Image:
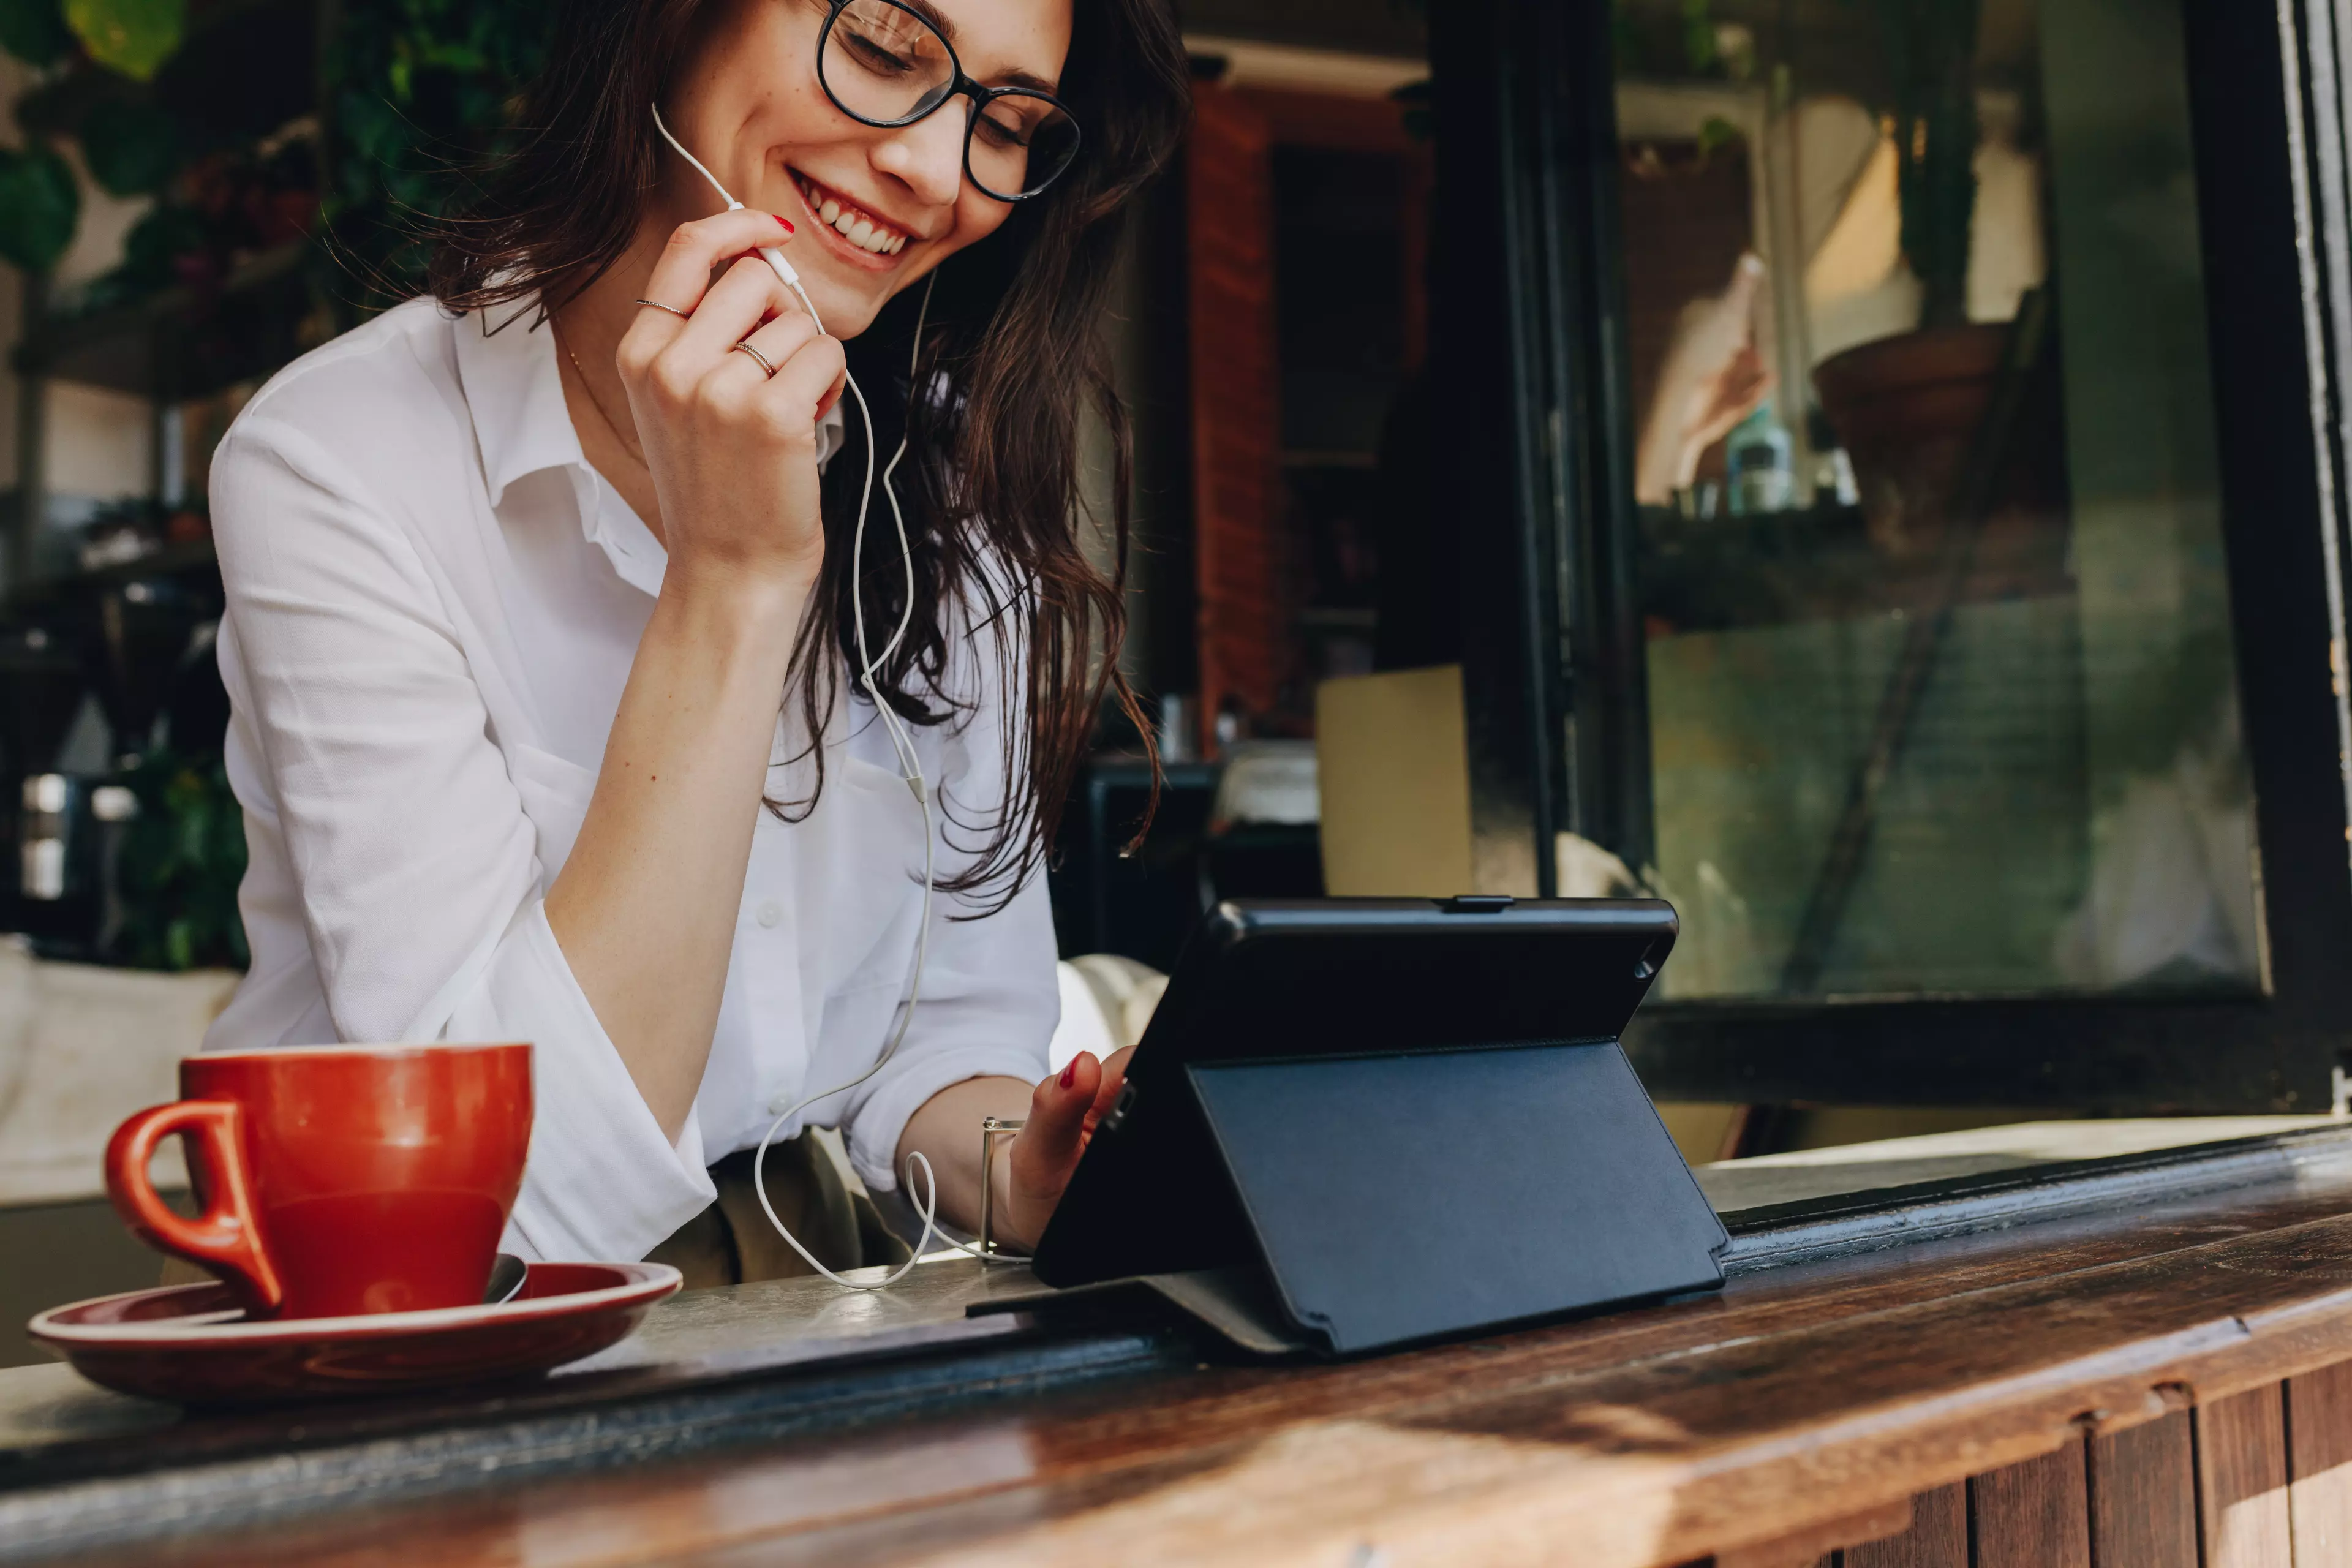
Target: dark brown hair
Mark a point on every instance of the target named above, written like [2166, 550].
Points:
[1012, 345]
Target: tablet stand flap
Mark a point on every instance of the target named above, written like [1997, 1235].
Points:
[1404, 1196]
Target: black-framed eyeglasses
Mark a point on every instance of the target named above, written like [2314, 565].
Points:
[885, 65]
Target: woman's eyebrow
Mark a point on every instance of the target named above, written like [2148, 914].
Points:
[947, 30]
[934, 15]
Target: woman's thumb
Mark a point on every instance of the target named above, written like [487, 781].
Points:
[1056, 1133]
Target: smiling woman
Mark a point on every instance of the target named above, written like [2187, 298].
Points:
[783, 100]
[518, 575]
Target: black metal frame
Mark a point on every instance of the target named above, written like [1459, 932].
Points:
[1528, 335]
[1529, 347]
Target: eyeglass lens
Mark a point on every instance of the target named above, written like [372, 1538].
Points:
[886, 66]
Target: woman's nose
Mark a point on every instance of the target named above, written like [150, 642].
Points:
[928, 155]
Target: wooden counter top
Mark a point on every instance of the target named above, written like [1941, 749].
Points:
[1803, 1409]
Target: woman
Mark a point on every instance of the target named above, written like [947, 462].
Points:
[541, 633]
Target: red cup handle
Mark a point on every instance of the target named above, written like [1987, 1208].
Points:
[223, 1238]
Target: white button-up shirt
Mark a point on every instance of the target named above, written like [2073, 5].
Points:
[434, 602]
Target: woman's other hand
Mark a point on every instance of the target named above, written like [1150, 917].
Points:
[1063, 1111]
[731, 449]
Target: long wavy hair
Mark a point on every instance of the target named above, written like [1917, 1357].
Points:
[1013, 343]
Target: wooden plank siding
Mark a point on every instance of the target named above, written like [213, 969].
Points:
[2144, 1495]
[2261, 1478]
[1938, 1538]
[2319, 1454]
[2241, 1481]
[2033, 1515]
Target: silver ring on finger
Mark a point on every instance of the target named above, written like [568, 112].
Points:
[765, 363]
[656, 304]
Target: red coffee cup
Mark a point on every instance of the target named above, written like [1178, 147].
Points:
[338, 1180]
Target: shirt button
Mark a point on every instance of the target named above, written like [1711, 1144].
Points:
[770, 913]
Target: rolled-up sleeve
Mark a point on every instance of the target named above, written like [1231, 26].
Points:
[603, 1182]
[360, 741]
[990, 1002]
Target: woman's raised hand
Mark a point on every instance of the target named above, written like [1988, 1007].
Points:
[731, 449]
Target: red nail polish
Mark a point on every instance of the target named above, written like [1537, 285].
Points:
[779, 217]
[1070, 1075]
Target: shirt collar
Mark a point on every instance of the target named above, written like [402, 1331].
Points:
[506, 364]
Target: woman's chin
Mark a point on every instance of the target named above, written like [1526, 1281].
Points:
[845, 312]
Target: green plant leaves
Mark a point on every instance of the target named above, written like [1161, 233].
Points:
[133, 36]
[182, 858]
[422, 93]
[34, 31]
[131, 146]
[1698, 36]
[40, 205]
[1716, 133]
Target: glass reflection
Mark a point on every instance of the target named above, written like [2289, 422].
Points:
[1940, 671]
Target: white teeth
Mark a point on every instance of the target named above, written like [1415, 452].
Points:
[859, 229]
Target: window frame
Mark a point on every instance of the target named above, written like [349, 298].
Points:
[1527, 333]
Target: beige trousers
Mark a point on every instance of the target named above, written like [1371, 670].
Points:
[731, 1242]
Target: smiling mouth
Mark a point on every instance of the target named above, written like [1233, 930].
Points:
[852, 223]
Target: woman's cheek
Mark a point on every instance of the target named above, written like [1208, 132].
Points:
[978, 217]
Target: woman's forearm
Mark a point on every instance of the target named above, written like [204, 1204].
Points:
[946, 1131]
[645, 907]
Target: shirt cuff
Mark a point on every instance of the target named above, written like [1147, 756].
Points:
[603, 1184]
[871, 1133]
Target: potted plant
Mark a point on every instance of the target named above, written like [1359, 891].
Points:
[1907, 407]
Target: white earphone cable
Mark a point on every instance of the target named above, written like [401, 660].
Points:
[901, 743]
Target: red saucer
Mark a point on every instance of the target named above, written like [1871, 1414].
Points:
[191, 1345]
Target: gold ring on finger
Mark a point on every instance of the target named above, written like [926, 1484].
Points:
[765, 363]
[656, 304]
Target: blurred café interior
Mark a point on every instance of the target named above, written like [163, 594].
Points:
[1798, 459]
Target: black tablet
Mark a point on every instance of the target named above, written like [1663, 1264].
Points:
[1413, 1111]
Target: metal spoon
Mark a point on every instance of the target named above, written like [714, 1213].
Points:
[506, 1278]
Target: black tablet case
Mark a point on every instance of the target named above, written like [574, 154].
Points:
[1492, 1157]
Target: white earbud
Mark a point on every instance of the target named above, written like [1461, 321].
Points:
[901, 742]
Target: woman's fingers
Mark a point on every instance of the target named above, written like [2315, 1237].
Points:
[746, 295]
[1114, 1076]
[805, 382]
[696, 249]
[779, 340]
[682, 280]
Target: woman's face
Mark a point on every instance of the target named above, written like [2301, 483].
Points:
[748, 104]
